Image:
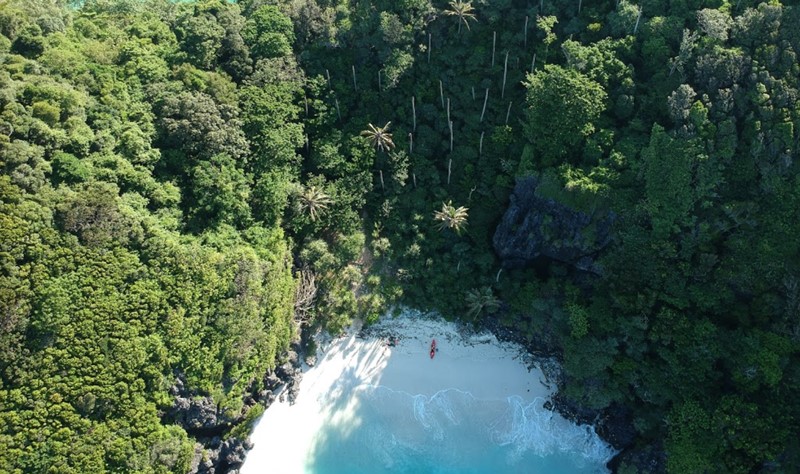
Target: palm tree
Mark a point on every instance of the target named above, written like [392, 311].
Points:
[462, 10]
[451, 217]
[379, 137]
[481, 300]
[314, 201]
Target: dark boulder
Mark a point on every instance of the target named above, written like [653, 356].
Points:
[205, 460]
[615, 426]
[573, 411]
[645, 459]
[535, 226]
[232, 454]
[198, 415]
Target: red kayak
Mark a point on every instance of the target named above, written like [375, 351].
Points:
[433, 348]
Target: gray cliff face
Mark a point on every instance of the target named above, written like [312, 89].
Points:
[534, 226]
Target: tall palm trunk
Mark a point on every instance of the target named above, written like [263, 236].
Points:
[485, 101]
[525, 41]
[414, 113]
[450, 124]
[429, 48]
[505, 72]
[449, 166]
[494, 44]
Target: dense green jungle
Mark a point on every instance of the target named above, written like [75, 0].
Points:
[186, 184]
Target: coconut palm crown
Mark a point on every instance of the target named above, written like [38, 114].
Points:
[481, 300]
[451, 217]
[379, 137]
[463, 11]
[314, 201]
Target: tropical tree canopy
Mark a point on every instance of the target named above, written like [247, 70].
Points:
[480, 300]
[313, 201]
[451, 217]
[379, 137]
[463, 11]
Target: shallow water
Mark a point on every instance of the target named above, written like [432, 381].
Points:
[452, 432]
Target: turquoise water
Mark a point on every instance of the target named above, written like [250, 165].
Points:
[452, 432]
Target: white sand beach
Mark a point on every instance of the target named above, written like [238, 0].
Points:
[478, 364]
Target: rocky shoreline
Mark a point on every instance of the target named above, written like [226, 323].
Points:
[613, 424]
[216, 451]
[535, 227]
[217, 454]
[519, 239]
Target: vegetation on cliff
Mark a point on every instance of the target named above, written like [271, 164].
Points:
[183, 183]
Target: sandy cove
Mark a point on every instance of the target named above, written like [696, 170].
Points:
[474, 363]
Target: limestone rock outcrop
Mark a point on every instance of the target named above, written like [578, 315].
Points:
[535, 226]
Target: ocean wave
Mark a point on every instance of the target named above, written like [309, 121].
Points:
[452, 425]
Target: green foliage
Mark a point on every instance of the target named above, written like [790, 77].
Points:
[688, 423]
[668, 178]
[563, 105]
[201, 37]
[479, 301]
[578, 321]
[108, 298]
[451, 217]
[221, 193]
[164, 164]
[67, 168]
[269, 33]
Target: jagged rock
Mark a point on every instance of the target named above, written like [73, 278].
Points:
[197, 414]
[178, 389]
[250, 400]
[647, 459]
[534, 226]
[200, 417]
[197, 458]
[266, 397]
[207, 464]
[292, 356]
[272, 381]
[286, 371]
[232, 454]
[573, 411]
[294, 387]
[551, 369]
[217, 456]
[616, 426]
[204, 460]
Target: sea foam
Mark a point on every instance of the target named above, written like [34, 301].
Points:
[453, 432]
